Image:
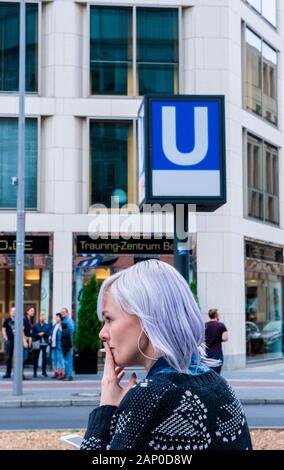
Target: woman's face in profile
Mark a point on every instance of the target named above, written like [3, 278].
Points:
[31, 312]
[121, 331]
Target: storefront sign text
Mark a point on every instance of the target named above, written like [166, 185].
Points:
[33, 245]
[85, 245]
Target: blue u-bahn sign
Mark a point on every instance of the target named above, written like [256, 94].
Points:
[182, 151]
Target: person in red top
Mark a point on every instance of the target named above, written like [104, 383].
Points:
[215, 333]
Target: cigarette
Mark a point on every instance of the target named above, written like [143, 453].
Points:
[102, 350]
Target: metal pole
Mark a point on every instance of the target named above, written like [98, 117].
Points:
[181, 240]
[20, 244]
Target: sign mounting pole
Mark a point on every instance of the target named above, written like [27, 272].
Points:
[20, 250]
[181, 240]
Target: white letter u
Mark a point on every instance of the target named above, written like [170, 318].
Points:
[200, 136]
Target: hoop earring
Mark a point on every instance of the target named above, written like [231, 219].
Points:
[139, 349]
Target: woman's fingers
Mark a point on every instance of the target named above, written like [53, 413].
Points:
[118, 370]
[109, 368]
[132, 381]
[109, 356]
[113, 375]
[120, 375]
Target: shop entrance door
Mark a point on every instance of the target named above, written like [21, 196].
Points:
[36, 292]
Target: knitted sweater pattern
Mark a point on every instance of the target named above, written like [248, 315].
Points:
[174, 412]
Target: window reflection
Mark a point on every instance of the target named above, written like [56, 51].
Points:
[264, 325]
[8, 162]
[157, 50]
[261, 77]
[9, 46]
[269, 11]
[262, 180]
[269, 64]
[112, 44]
[110, 50]
[266, 8]
[256, 4]
[111, 153]
[254, 82]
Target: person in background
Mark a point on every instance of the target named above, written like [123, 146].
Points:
[28, 323]
[215, 334]
[56, 348]
[27, 334]
[8, 332]
[40, 334]
[151, 319]
[68, 323]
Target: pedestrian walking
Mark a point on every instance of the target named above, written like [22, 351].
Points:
[8, 332]
[215, 334]
[152, 320]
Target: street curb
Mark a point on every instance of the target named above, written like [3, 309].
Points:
[262, 401]
[10, 403]
[91, 402]
[46, 403]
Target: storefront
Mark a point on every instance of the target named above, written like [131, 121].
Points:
[38, 273]
[264, 301]
[105, 256]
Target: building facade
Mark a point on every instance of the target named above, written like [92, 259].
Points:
[88, 66]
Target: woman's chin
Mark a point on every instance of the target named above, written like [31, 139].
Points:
[121, 363]
[127, 361]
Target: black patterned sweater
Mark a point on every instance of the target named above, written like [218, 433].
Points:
[171, 411]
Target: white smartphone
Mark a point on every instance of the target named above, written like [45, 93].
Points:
[72, 439]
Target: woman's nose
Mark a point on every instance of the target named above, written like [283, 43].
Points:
[104, 336]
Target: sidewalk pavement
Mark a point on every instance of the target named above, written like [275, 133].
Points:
[256, 384]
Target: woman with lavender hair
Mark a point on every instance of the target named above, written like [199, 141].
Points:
[152, 320]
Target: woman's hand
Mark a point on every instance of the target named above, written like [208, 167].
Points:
[111, 391]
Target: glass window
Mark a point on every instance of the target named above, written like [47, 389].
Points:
[253, 66]
[266, 8]
[111, 156]
[262, 179]
[157, 50]
[269, 67]
[255, 178]
[261, 77]
[112, 45]
[31, 47]
[264, 322]
[111, 50]
[8, 163]
[256, 4]
[271, 183]
[9, 46]
[269, 11]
